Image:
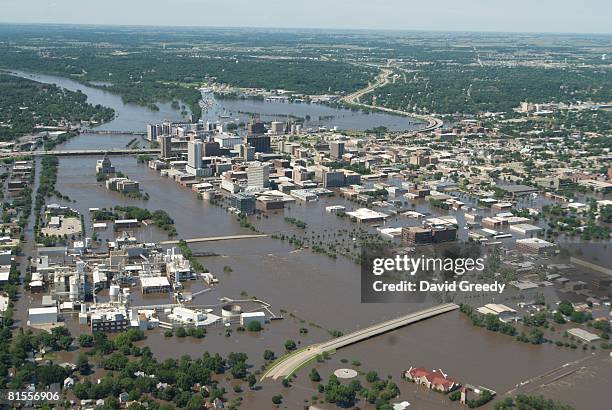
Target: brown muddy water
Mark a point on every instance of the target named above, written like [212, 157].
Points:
[314, 292]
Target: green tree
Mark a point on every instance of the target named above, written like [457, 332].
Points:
[290, 345]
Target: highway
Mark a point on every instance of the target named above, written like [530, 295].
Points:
[382, 80]
[215, 239]
[284, 367]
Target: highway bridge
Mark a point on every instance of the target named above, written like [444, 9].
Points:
[215, 238]
[286, 366]
[82, 152]
[111, 132]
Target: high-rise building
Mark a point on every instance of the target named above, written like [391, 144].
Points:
[277, 127]
[194, 154]
[165, 142]
[151, 132]
[301, 174]
[258, 175]
[261, 143]
[167, 128]
[336, 149]
[333, 179]
[256, 128]
[246, 151]
[211, 149]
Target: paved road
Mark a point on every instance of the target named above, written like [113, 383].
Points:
[79, 152]
[215, 239]
[285, 367]
[382, 80]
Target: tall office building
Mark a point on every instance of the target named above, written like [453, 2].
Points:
[258, 175]
[277, 127]
[194, 154]
[256, 128]
[211, 149]
[333, 179]
[151, 132]
[336, 149]
[261, 143]
[167, 128]
[246, 151]
[165, 142]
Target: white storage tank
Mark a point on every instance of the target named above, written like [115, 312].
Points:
[114, 293]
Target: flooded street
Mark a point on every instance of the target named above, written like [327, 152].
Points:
[311, 291]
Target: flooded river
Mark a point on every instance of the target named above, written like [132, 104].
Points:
[314, 291]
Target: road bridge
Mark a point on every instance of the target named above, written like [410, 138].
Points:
[83, 152]
[286, 366]
[111, 132]
[215, 238]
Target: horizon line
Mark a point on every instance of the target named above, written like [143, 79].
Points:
[323, 29]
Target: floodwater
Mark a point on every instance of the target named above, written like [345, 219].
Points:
[313, 291]
[132, 117]
[312, 115]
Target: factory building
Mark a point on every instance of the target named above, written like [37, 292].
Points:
[109, 321]
[155, 284]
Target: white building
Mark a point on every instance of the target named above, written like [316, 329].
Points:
[154, 284]
[258, 175]
[248, 317]
[227, 140]
[503, 312]
[195, 151]
[42, 316]
[364, 215]
[525, 229]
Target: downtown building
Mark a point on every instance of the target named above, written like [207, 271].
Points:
[258, 175]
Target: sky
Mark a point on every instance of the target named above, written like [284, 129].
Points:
[559, 16]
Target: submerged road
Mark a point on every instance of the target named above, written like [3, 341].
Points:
[284, 367]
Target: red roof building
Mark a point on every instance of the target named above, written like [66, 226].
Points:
[435, 380]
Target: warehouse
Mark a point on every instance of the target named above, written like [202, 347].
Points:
[503, 312]
[42, 316]
[525, 229]
[364, 215]
[583, 335]
[155, 284]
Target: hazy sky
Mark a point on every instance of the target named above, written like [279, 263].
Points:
[575, 16]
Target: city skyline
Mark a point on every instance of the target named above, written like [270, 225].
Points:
[588, 17]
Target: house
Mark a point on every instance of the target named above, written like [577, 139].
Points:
[123, 397]
[68, 383]
[435, 380]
